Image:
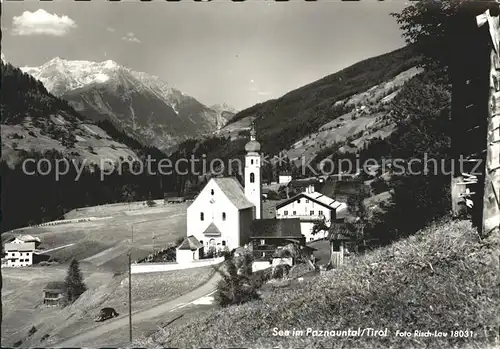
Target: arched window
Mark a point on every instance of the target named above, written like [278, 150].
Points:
[202, 216]
[252, 177]
[251, 161]
[223, 216]
[223, 242]
[212, 192]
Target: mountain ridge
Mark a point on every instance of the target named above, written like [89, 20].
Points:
[33, 120]
[144, 105]
[283, 121]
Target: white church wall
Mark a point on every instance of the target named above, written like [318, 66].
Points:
[213, 212]
[253, 191]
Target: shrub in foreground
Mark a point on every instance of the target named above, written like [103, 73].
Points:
[237, 285]
[443, 278]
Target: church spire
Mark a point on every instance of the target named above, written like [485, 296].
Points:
[252, 131]
[252, 146]
[253, 181]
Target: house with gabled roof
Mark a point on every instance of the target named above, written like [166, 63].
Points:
[272, 238]
[20, 251]
[310, 207]
[188, 250]
[54, 293]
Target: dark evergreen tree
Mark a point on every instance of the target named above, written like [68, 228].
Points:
[74, 282]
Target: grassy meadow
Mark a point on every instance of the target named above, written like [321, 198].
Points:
[22, 298]
[444, 278]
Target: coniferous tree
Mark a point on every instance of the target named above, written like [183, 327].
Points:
[74, 282]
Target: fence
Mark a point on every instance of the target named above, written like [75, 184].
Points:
[141, 268]
[68, 221]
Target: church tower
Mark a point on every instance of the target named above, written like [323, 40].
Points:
[253, 175]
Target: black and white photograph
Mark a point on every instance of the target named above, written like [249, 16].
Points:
[250, 174]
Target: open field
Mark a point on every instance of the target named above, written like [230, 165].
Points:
[444, 278]
[22, 296]
[106, 242]
[119, 338]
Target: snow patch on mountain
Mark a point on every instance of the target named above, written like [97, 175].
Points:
[144, 105]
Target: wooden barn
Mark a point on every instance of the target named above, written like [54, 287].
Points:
[475, 72]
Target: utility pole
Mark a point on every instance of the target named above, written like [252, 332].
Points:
[153, 238]
[130, 275]
[130, 295]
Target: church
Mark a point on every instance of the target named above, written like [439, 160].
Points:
[221, 216]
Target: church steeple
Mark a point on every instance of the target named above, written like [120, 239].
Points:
[252, 132]
[253, 146]
[253, 181]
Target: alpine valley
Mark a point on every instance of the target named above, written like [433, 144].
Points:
[141, 105]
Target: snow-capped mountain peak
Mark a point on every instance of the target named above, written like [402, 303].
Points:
[143, 104]
[60, 76]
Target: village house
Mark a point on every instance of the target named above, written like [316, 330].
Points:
[54, 293]
[20, 252]
[284, 178]
[269, 235]
[311, 207]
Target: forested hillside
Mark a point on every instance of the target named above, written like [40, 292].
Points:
[37, 125]
[283, 121]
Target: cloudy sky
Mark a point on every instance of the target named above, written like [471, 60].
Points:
[239, 53]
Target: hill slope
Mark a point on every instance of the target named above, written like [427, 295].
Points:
[35, 120]
[284, 121]
[143, 105]
[441, 279]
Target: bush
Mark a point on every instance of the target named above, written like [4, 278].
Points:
[179, 240]
[151, 203]
[280, 271]
[260, 277]
[237, 285]
[379, 186]
[272, 195]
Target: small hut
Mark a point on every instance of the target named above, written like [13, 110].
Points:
[54, 293]
[189, 250]
[338, 236]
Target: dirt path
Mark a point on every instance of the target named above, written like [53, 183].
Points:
[55, 248]
[80, 340]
